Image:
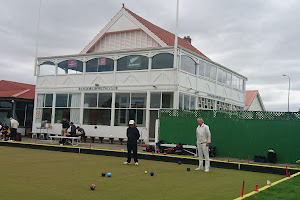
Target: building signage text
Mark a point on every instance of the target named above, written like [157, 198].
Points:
[98, 88]
[216, 97]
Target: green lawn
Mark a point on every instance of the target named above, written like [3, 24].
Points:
[286, 190]
[36, 174]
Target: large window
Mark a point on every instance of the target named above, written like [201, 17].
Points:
[130, 106]
[201, 68]
[47, 68]
[67, 106]
[161, 100]
[70, 67]
[210, 71]
[100, 65]
[224, 77]
[44, 108]
[97, 108]
[188, 64]
[162, 60]
[187, 102]
[237, 83]
[134, 62]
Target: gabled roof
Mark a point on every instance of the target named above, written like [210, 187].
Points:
[163, 37]
[250, 95]
[10, 89]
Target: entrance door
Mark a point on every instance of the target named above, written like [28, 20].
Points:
[153, 117]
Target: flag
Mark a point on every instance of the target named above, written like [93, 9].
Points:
[72, 63]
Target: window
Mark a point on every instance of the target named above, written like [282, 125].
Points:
[100, 65]
[162, 60]
[67, 106]
[44, 107]
[138, 100]
[134, 62]
[201, 68]
[210, 71]
[193, 105]
[90, 100]
[188, 64]
[237, 83]
[213, 72]
[155, 100]
[104, 100]
[161, 100]
[62, 100]
[167, 100]
[228, 80]
[97, 109]
[224, 77]
[130, 106]
[122, 100]
[181, 101]
[186, 102]
[70, 67]
[97, 116]
[47, 68]
[220, 75]
[207, 70]
[5, 104]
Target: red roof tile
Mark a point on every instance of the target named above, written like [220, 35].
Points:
[164, 35]
[250, 95]
[16, 90]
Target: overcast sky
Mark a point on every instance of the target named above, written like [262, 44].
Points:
[258, 39]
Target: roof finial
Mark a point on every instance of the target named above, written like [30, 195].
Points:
[123, 5]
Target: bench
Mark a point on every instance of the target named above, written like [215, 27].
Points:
[74, 140]
[102, 138]
[44, 135]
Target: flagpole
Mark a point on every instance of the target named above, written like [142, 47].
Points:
[176, 38]
[37, 39]
[176, 70]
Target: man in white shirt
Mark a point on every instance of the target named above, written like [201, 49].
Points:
[203, 140]
[14, 124]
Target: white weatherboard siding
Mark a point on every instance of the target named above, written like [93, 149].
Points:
[255, 105]
[124, 40]
[123, 23]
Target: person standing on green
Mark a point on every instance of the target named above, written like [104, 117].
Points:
[133, 135]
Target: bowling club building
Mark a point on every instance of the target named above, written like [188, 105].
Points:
[128, 71]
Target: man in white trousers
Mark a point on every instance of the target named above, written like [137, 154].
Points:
[203, 140]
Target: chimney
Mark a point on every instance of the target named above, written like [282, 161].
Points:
[188, 39]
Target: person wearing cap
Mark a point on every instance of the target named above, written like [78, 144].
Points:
[133, 135]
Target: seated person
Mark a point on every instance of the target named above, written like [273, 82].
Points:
[71, 133]
[4, 131]
[80, 132]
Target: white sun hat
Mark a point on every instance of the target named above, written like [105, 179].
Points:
[131, 122]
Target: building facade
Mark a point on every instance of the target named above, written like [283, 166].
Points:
[130, 70]
[16, 100]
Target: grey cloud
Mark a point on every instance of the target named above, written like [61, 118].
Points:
[258, 39]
